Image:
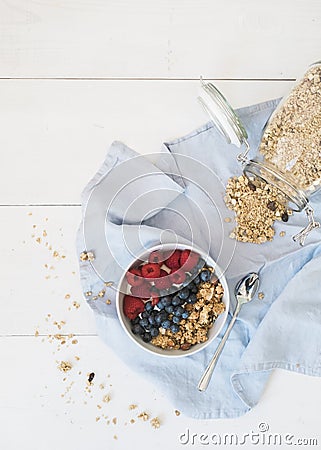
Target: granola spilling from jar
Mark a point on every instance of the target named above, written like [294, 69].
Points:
[292, 138]
[173, 299]
[257, 205]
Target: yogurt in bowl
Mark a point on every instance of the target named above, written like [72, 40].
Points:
[173, 300]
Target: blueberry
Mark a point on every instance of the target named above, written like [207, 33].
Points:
[154, 332]
[176, 301]
[205, 275]
[166, 300]
[158, 319]
[192, 299]
[152, 320]
[193, 288]
[164, 315]
[176, 319]
[148, 306]
[169, 309]
[144, 323]
[145, 315]
[137, 329]
[178, 311]
[174, 328]
[184, 293]
[135, 321]
[185, 315]
[160, 304]
[147, 337]
[166, 324]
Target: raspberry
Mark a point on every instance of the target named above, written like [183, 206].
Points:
[142, 291]
[156, 257]
[178, 277]
[164, 282]
[188, 259]
[132, 306]
[155, 300]
[173, 261]
[150, 270]
[134, 277]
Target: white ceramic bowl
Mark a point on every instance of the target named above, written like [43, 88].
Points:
[213, 331]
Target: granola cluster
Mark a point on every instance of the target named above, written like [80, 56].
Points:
[257, 205]
[292, 139]
[202, 315]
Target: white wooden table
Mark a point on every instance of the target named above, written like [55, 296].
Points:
[75, 75]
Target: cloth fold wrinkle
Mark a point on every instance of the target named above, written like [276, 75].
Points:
[289, 274]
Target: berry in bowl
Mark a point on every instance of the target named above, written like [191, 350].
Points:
[173, 301]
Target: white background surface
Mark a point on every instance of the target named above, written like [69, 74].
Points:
[75, 75]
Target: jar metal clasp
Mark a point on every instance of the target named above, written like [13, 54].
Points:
[312, 224]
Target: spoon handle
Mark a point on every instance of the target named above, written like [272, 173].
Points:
[204, 381]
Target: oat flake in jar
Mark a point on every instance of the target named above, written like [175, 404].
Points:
[289, 155]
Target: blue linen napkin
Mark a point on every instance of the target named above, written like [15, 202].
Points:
[178, 194]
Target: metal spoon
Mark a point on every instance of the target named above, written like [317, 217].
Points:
[244, 292]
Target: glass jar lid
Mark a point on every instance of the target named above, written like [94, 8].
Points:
[224, 117]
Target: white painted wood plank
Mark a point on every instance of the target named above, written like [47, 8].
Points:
[35, 283]
[172, 39]
[54, 134]
[34, 416]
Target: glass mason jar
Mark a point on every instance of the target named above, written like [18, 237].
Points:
[289, 155]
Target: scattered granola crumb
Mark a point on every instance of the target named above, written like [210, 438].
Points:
[87, 256]
[67, 296]
[88, 293]
[131, 407]
[44, 233]
[101, 293]
[76, 305]
[65, 366]
[114, 420]
[74, 341]
[282, 233]
[97, 418]
[108, 302]
[99, 406]
[108, 283]
[144, 416]
[106, 398]
[155, 423]
[77, 358]
[177, 413]
[261, 295]
[115, 437]
[227, 219]
[30, 214]
[55, 254]
[38, 240]
[132, 421]
[101, 386]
